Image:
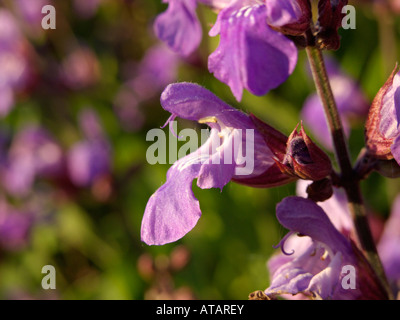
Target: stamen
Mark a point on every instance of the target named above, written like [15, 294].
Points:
[170, 122]
[208, 120]
[282, 242]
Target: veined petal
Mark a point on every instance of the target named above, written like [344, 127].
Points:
[193, 102]
[250, 55]
[179, 26]
[307, 218]
[173, 210]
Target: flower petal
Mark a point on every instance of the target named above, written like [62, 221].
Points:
[307, 218]
[173, 210]
[179, 26]
[250, 55]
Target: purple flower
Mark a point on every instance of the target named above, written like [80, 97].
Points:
[350, 100]
[89, 159]
[172, 210]
[15, 227]
[13, 61]
[389, 249]
[251, 54]
[179, 26]
[336, 208]
[157, 69]
[315, 266]
[33, 153]
[382, 127]
[86, 9]
[80, 69]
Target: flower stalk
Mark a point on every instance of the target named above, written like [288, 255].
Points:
[348, 177]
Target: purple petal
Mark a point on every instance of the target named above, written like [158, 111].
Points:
[307, 218]
[388, 247]
[389, 113]
[179, 26]
[216, 4]
[336, 207]
[282, 12]
[324, 284]
[193, 102]
[173, 210]
[7, 100]
[250, 55]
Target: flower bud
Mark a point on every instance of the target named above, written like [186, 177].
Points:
[381, 129]
[301, 9]
[329, 21]
[304, 159]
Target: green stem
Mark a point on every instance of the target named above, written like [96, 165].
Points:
[348, 177]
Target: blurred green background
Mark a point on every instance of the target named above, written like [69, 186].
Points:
[93, 240]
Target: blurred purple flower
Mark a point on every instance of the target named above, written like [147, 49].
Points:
[33, 153]
[315, 268]
[172, 211]
[86, 9]
[89, 159]
[15, 227]
[351, 103]
[30, 12]
[157, 69]
[80, 69]
[389, 247]
[179, 26]
[13, 61]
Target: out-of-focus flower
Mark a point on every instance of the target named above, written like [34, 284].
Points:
[80, 69]
[179, 26]
[350, 100]
[155, 71]
[30, 13]
[89, 160]
[14, 63]
[33, 153]
[389, 249]
[86, 9]
[172, 210]
[314, 267]
[382, 126]
[15, 227]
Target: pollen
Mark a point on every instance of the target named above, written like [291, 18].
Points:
[208, 120]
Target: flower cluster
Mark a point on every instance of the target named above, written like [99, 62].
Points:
[258, 47]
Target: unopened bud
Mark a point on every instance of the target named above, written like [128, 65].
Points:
[381, 129]
[304, 158]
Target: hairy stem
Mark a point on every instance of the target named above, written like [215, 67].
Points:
[348, 177]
